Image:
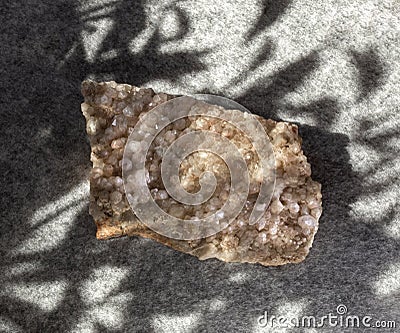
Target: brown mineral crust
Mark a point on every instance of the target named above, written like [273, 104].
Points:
[284, 234]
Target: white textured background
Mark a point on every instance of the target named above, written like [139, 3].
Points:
[332, 67]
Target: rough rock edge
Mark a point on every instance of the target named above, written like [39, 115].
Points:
[109, 228]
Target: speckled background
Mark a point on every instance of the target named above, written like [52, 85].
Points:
[332, 67]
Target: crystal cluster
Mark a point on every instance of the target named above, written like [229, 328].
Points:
[283, 235]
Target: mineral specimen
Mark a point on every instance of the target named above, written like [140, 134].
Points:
[287, 228]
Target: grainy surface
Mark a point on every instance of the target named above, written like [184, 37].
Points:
[332, 67]
[284, 232]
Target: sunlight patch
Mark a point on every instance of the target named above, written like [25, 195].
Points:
[76, 195]
[239, 277]
[362, 157]
[170, 24]
[392, 230]
[92, 40]
[91, 10]
[20, 268]
[55, 220]
[138, 43]
[108, 315]
[6, 325]
[376, 206]
[45, 295]
[176, 323]
[389, 281]
[102, 282]
[84, 326]
[217, 305]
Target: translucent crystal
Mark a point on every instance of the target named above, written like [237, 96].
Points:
[286, 230]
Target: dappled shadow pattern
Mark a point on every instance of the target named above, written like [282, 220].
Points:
[43, 72]
[146, 64]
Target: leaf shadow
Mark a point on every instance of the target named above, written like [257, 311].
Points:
[271, 11]
[371, 71]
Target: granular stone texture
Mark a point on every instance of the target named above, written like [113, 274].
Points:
[283, 235]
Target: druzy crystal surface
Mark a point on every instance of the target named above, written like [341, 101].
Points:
[287, 228]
